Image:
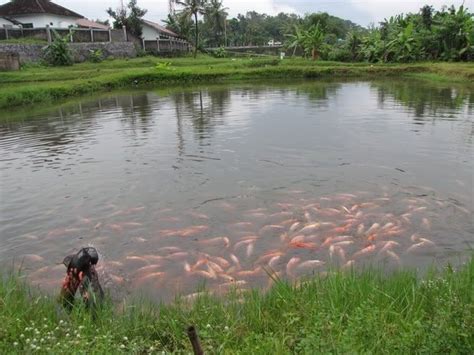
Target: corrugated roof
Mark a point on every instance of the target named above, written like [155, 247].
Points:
[23, 7]
[160, 28]
[83, 22]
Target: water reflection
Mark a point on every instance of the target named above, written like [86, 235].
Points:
[426, 100]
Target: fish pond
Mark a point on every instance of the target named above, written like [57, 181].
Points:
[236, 186]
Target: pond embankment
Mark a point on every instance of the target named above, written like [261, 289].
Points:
[47, 84]
[337, 312]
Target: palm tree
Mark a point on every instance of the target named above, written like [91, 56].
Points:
[216, 15]
[192, 8]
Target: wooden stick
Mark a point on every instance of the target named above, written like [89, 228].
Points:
[194, 338]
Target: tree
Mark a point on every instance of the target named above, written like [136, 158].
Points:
[180, 24]
[216, 16]
[131, 18]
[313, 41]
[296, 40]
[193, 8]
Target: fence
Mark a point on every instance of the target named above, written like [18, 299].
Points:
[76, 35]
[165, 45]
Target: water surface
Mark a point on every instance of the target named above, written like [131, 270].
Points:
[167, 184]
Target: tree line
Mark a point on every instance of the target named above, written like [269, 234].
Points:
[446, 34]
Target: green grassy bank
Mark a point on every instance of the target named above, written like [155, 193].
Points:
[339, 313]
[36, 84]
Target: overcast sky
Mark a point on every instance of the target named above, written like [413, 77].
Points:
[362, 12]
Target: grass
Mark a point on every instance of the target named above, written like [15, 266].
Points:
[35, 84]
[340, 313]
[24, 41]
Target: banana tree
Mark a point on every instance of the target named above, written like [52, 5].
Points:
[296, 40]
[313, 41]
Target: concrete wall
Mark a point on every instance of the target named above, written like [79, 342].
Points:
[9, 61]
[80, 51]
[41, 20]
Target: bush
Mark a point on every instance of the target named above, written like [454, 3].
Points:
[220, 53]
[58, 53]
[96, 55]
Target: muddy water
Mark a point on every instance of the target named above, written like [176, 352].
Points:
[224, 186]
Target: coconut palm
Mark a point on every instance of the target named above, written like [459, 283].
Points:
[216, 15]
[193, 8]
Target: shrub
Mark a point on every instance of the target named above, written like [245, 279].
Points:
[220, 53]
[58, 53]
[96, 55]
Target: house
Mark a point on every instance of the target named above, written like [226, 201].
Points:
[41, 13]
[151, 31]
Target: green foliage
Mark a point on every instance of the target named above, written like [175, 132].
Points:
[163, 66]
[313, 39]
[220, 53]
[349, 312]
[190, 10]
[215, 17]
[96, 55]
[131, 18]
[58, 53]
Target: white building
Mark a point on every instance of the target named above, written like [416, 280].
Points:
[151, 31]
[40, 13]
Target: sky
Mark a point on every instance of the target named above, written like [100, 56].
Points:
[362, 12]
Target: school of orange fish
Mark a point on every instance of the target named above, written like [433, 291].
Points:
[284, 240]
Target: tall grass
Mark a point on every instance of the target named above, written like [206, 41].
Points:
[339, 313]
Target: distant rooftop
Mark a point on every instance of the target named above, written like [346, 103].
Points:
[28, 7]
[160, 28]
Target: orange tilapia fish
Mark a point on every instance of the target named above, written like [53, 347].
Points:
[267, 256]
[295, 226]
[184, 232]
[310, 264]
[247, 273]
[365, 251]
[169, 249]
[198, 215]
[244, 242]
[272, 228]
[393, 256]
[304, 245]
[216, 241]
[146, 270]
[221, 261]
[148, 277]
[387, 245]
[178, 255]
[290, 266]
[310, 228]
[273, 261]
[374, 228]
